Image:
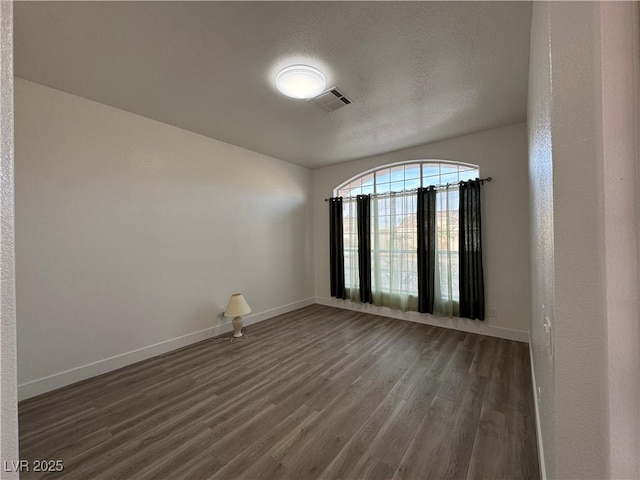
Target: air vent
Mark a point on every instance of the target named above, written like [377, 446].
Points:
[330, 100]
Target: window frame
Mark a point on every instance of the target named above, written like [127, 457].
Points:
[375, 170]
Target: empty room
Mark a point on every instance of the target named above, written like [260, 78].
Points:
[320, 240]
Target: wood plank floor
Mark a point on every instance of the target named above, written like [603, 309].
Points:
[317, 393]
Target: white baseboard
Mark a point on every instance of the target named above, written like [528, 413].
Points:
[541, 462]
[61, 379]
[463, 324]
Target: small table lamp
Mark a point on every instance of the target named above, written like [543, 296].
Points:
[237, 307]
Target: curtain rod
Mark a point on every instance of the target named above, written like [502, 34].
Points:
[443, 185]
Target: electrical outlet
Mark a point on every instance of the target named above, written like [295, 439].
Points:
[493, 312]
[221, 313]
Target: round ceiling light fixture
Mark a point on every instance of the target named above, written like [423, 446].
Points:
[300, 81]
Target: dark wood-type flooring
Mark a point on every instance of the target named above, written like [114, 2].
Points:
[317, 393]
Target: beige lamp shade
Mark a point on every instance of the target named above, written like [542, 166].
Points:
[237, 306]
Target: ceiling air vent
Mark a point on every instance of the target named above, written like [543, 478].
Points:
[330, 100]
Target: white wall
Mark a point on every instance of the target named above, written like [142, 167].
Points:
[8, 370]
[583, 114]
[502, 154]
[542, 243]
[132, 233]
[620, 57]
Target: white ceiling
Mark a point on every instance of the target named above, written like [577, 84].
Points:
[417, 72]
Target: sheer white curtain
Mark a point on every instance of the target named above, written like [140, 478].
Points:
[394, 260]
[447, 301]
[350, 230]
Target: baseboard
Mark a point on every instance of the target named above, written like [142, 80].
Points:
[541, 462]
[463, 324]
[57, 380]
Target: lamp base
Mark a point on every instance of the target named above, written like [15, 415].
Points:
[237, 327]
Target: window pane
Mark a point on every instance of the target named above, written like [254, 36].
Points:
[430, 169]
[382, 206]
[397, 186]
[367, 189]
[454, 201]
[428, 181]
[397, 173]
[411, 171]
[383, 187]
[444, 168]
[367, 180]
[383, 222]
[382, 176]
[411, 184]
[468, 175]
[449, 178]
[398, 223]
[384, 240]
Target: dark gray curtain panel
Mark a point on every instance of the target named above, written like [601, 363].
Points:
[364, 247]
[470, 251]
[426, 213]
[336, 248]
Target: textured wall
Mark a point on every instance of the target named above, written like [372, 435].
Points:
[583, 114]
[621, 166]
[8, 388]
[131, 233]
[541, 202]
[500, 153]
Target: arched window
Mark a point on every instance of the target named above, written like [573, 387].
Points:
[407, 176]
[394, 231]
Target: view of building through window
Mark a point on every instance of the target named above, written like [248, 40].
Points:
[394, 224]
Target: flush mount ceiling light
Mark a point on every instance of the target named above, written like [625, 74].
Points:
[300, 81]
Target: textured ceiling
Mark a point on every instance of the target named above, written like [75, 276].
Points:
[417, 72]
